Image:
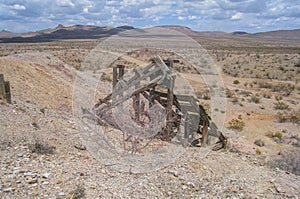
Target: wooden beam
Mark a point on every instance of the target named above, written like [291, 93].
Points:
[204, 135]
[115, 76]
[7, 91]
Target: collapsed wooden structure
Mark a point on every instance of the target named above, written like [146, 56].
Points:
[185, 117]
[5, 89]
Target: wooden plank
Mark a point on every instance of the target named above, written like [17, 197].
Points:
[204, 135]
[121, 71]
[2, 87]
[7, 91]
[1, 79]
[115, 76]
[2, 91]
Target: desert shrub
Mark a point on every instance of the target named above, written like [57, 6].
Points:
[288, 161]
[206, 97]
[276, 136]
[78, 193]
[278, 98]
[41, 147]
[106, 77]
[259, 142]
[258, 151]
[236, 124]
[236, 81]
[229, 93]
[264, 85]
[281, 106]
[286, 89]
[235, 100]
[254, 99]
[285, 116]
[268, 96]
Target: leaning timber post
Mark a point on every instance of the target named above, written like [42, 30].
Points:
[170, 98]
[136, 102]
[5, 89]
[204, 134]
[2, 87]
[115, 76]
[121, 71]
[186, 126]
[152, 97]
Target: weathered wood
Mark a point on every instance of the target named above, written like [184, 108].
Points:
[152, 97]
[143, 82]
[2, 87]
[7, 92]
[5, 89]
[204, 135]
[1, 78]
[121, 71]
[115, 76]
[2, 91]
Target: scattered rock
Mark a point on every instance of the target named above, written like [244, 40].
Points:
[45, 183]
[80, 146]
[9, 189]
[46, 175]
[259, 142]
[61, 194]
[173, 172]
[32, 181]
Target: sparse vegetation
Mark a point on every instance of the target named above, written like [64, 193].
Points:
[259, 142]
[254, 99]
[258, 151]
[78, 193]
[236, 81]
[281, 106]
[41, 147]
[276, 136]
[236, 124]
[293, 116]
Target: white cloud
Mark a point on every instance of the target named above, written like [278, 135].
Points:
[191, 17]
[237, 16]
[85, 10]
[65, 3]
[226, 15]
[18, 7]
[181, 18]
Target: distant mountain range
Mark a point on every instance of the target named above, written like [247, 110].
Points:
[95, 32]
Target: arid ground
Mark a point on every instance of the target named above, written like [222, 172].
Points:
[42, 155]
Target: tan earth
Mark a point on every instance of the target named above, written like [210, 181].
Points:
[42, 155]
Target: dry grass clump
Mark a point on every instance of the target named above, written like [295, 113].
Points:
[41, 147]
[106, 77]
[281, 106]
[276, 135]
[293, 116]
[236, 124]
[255, 99]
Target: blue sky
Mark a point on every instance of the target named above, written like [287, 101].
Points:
[201, 15]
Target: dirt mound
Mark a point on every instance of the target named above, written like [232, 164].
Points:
[39, 78]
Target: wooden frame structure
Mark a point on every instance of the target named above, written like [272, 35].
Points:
[185, 109]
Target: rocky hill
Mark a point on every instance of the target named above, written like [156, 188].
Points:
[95, 32]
